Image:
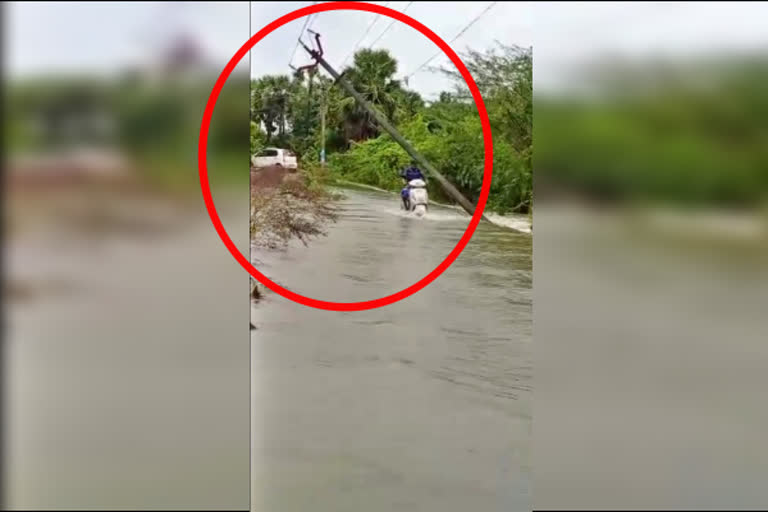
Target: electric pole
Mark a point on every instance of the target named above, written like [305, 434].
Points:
[384, 123]
[322, 127]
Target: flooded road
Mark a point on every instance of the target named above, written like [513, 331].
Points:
[125, 363]
[422, 405]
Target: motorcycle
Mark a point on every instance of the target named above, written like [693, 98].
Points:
[418, 199]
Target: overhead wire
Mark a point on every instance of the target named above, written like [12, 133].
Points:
[301, 32]
[368, 30]
[461, 32]
[389, 26]
[314, 19]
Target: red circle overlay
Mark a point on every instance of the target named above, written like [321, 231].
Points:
[206, 188]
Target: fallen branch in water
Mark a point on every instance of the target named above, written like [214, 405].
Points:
[286, 211]
[292, 211]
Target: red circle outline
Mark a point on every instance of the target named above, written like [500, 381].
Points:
[203, 146]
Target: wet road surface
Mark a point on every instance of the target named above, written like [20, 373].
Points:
[422, 405]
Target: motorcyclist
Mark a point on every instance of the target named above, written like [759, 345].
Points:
[409, 174]
[412, 173]
[404, 195]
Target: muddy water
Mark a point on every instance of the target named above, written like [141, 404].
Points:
[125, 367]
[422, 405]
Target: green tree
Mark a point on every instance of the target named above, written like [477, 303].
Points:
[504, 76]
[270, 97]
[372, 75]
[447, 132]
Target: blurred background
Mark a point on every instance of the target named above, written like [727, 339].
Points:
[125, 351]
[650, 184]
[125, 354]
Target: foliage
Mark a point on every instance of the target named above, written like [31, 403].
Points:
[153, 124]
[448, 133]
[257, 138]
[504, 76]
[695, 135]
[292, 211]
[374, 162]
[457, 151]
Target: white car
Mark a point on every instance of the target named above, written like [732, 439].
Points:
[275, 156]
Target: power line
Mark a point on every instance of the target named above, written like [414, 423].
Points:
[370, 26]
[314, 19]
[452, 40]
[301, 32]
[388, 26]
[295, 48]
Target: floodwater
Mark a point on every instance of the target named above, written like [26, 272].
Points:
[422, 405]
[126, 375]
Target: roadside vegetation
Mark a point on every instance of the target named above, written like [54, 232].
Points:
[153, 125]
[286, 112]
[685, 133]
[293, 209]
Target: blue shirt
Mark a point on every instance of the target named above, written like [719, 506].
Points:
[412, 173]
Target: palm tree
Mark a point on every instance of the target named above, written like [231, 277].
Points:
[409, 103]
[269, 102]
[289, 106]
[372, 76]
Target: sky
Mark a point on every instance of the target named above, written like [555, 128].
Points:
[50, 37]
[567, 34]
[101, 37]
[341, 31]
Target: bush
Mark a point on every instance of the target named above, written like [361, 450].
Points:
[456, 151]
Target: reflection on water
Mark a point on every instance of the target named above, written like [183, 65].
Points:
[421, 405]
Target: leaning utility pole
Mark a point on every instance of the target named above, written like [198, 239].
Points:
[322, 129]
[384, 122]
